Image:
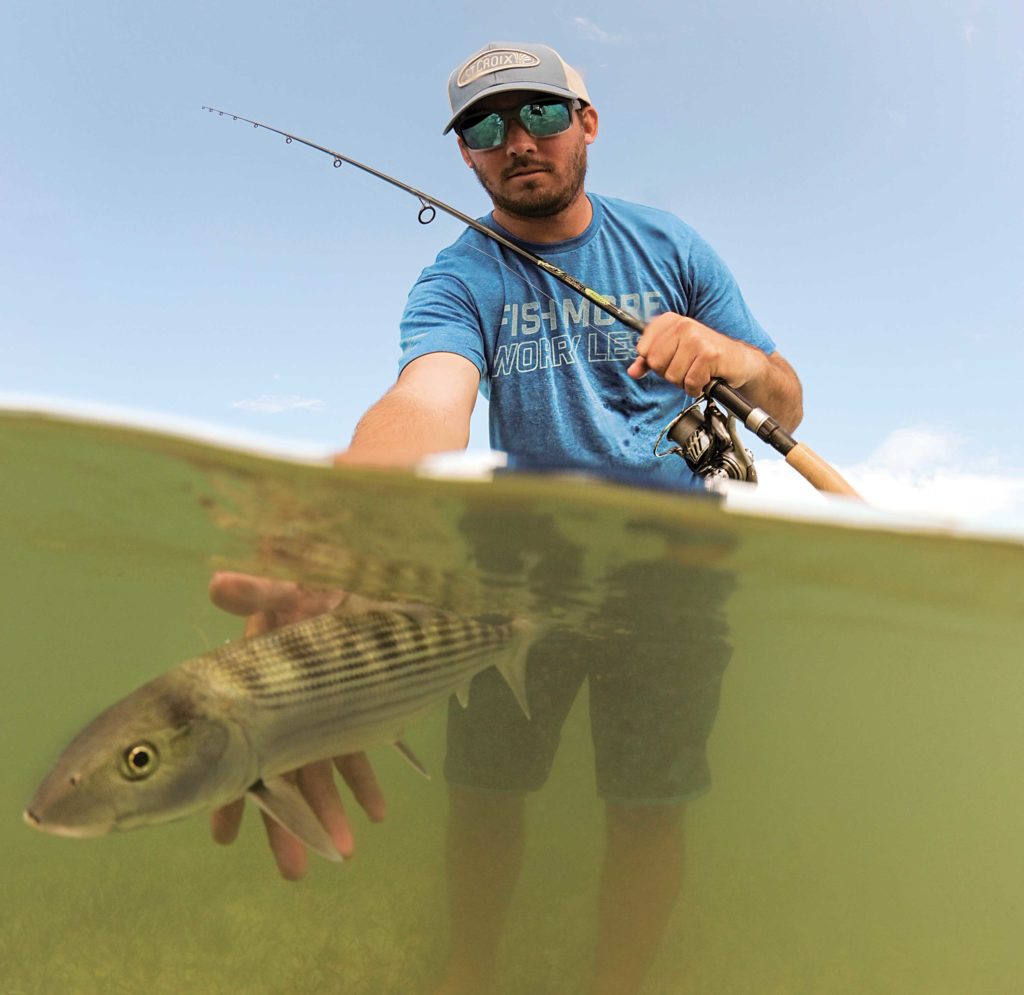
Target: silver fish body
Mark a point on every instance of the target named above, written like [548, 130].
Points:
[233, 720]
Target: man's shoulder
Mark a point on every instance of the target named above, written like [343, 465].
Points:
[644, 216]
[467, 270]
[466, 255]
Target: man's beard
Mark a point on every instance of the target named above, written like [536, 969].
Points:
[532, 204]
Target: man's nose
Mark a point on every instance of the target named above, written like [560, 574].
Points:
[517, 139]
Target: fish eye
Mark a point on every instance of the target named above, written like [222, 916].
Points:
[140, 760]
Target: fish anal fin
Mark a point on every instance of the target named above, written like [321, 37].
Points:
[411, 757]
[285, 804]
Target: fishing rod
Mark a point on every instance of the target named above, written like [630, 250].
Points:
[804, 460]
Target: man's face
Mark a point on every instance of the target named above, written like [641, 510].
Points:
[527, 176]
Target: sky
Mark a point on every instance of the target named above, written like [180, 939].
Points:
[857, 163]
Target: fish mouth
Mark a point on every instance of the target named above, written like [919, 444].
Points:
[36, 821]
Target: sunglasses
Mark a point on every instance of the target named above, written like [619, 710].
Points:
[540, 118]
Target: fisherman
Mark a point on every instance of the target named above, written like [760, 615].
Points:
[565, 383]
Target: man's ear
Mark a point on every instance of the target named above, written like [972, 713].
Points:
[465, 152]
[588, 117]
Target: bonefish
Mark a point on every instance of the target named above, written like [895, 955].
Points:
[232, 721]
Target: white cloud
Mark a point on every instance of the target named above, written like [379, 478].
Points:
[914, 449]
[596, 33]
[276, 403]
[917, 471]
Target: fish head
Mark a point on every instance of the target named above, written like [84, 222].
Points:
[160, 754]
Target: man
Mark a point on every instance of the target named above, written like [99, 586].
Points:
[565, 383]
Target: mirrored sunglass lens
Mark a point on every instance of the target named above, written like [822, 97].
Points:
[544, 119]
[484, 133]
[539, 119]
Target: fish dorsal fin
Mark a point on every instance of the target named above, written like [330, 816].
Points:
[462, 693]
[284, 803]
[513, 666]
[411, 757]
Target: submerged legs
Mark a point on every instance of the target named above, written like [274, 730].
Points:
[484, 853]
[641, 879]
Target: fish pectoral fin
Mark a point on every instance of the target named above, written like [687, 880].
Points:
[411, 757]
[284, 803]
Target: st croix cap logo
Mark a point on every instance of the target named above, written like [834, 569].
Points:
[502, 66]
[492, 62]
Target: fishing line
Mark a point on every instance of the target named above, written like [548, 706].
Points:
[806, 462]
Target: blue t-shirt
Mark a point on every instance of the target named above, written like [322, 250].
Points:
[551, 363]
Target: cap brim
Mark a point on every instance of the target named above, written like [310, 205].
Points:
[558, 91]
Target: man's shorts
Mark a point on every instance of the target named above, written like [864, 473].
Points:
[650, 717]
[653, 646]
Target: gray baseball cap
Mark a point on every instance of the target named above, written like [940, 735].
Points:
[511, 65]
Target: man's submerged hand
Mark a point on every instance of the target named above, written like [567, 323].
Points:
[268, 604]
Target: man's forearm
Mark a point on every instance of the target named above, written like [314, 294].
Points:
[401, 428]
[777, 390]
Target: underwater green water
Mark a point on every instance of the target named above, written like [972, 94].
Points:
[863, 828]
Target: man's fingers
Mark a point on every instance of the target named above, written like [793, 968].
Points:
[257, 624]
[662, 345]
[268, 603]
[277, 602]
[638, 369]
[696, 378]
[357, 773]
[289, 851]
[245, 594]
[225, 822]
[686, 353]
[316, 781]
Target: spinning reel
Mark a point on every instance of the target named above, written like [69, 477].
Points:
[709, 442]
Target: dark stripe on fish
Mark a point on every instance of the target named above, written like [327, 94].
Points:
[360, 658]
[301, 647]
[423, 690]
[355, 656]
[373, 676]
[367, 647]
[396, 675]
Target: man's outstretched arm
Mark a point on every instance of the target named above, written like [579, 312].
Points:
[426, 411]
